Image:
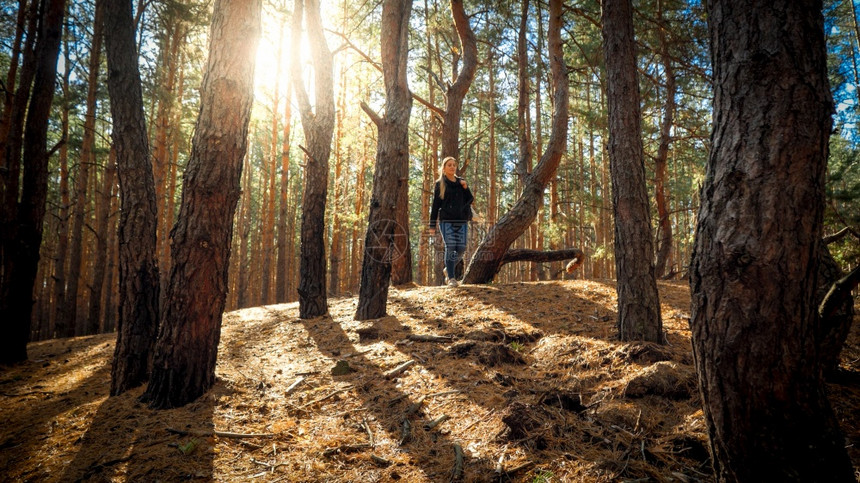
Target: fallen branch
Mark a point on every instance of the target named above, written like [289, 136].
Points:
[399, 369]
[346, 448]
[436, 422]
[294, 385]
[429, 338]
[457, 471]
[369, 432]
[405, 432]
[525, 255]
[330, 395]
[479, 420]
[380, 460]
[271, 467]
[220, 434]
[517, 469]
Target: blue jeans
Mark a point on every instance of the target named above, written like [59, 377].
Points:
[454, 236]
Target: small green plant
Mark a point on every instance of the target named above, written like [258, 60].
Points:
[543, 476]
[516, 346]
[189, 447]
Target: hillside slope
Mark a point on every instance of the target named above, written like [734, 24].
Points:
[527, 380]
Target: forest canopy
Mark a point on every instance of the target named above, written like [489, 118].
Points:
[674, 80]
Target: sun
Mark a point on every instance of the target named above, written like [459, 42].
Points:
[273, 57]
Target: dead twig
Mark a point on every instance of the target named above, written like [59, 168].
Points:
[294, 385]
[479, 420]
[399, 369]
[330, 395]
[369, 432]
[429, 338]
[436, 422]
[405, 432]
[271, 467]
[379, 460]
[457, 470]
[346, 448]
[220, 434]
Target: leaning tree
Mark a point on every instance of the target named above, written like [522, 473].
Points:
[492, 253]
[187, 347]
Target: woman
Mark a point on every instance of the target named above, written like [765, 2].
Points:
[452, 201]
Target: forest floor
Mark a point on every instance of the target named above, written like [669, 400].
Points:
[528, 382]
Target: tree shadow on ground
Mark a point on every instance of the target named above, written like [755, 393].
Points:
[431, 449]
[42, 400]
[128, 441]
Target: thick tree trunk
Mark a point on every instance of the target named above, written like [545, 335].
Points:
[753, 273]
[22, 221]
[187, 349]
[488, 256]
[138, 271]
[638, 302]
[392, 158]
[318, 124]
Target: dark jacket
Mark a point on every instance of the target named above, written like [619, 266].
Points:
[456, 207]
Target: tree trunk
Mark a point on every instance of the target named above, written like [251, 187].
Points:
[638, 302]
[664, 224]
[101, 254]
[244, 229]
[22, 221]
[457, 90]
[487, 259]
[58, 317]
[524, 160]
[318, 124]
[392, 158]
[139, 285]
[74, 324]
[336, 236]
[284, 235]
[753, 273]
[187, 349]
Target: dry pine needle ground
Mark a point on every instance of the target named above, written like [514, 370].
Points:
[520, 382]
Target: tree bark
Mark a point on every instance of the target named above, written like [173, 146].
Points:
[22, 220]
[638, 301]
[457, 90]
[392, 158]
[753, 273]
[488, 256]
[318, 125]
[139, 285]
[187, 349]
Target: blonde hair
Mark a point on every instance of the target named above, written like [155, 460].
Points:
[441, 178]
